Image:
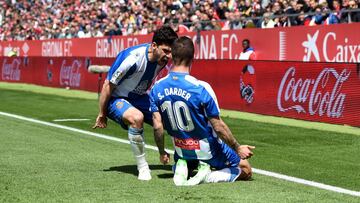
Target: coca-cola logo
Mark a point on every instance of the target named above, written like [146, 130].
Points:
[11, 70]
[70, 75]
[320, 96]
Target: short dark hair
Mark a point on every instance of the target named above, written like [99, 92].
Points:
[164, 35]
[182, 51]
[246, 40]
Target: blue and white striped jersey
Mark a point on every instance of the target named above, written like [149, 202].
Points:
[132, 72]
[185, 105]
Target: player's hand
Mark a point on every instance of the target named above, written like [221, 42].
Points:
[244, 151]
[101, 122]
[165, 158]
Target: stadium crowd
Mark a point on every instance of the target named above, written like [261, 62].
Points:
[49, 19]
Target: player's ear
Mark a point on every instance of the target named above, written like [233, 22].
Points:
[154, 45]
[153, 48]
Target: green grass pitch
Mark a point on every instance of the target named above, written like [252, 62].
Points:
[45, 164]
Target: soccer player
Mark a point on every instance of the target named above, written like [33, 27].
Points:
[124, 97]
[187, 108]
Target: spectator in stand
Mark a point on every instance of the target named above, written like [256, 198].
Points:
[313, 5]
[236, 23]
[267, 22]
[354, 16]
[215, 25]
[330, 17]
[248, 52]
[221, 9]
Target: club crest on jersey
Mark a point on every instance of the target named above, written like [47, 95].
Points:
[187, 144]
[247, 84]
[119, 104]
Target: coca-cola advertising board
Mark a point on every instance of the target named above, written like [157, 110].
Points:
[326, 92]
[324, 43]
[66, 72]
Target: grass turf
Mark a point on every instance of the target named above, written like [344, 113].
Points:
[42, 164]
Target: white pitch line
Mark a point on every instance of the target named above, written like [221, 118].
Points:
[71, 119]
[258, 171]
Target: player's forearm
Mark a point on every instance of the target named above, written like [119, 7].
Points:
[159, 139]
[231, 141]
[223, 131]
[158, 132]
[104, 98]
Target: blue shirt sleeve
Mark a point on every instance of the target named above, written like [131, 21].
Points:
[153, 97]
[120, 67]
[209, 101]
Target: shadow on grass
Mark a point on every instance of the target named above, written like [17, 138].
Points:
[132, 169]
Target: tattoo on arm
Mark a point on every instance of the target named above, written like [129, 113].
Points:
[223, 131]
[158, 132]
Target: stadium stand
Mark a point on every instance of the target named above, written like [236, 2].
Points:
[54, 19]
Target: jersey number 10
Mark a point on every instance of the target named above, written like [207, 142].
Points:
[176, 112]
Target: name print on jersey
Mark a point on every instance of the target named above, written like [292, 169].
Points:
[175, 91]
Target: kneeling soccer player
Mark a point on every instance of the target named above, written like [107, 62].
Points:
[187, 108]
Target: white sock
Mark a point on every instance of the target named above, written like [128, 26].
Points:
[137, 143]
[223, 175]
[141, 162]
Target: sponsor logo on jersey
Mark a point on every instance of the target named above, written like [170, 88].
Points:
[188, 144]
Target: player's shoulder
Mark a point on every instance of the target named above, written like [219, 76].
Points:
[161, 82]
[204, 88]
[131, 55]
[197, 82]
[136, 51]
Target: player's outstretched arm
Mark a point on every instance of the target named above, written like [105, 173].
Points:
[223, 131]
[159, 138]
[101, 120]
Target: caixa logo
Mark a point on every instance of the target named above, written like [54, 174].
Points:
[70, 75]
[319, 96]
[11, 70]
[333, 49]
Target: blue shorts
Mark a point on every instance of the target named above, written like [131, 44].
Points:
[224, 157]
[118, 106]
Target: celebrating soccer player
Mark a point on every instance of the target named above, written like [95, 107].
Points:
[187, 108]
[124, 98]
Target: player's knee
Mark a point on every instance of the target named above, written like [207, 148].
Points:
[245, 174]
[136, 139]
[134, 118]
[138, 118]
[246, 171]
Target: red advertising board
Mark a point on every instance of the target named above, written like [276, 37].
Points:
[325, 92]
[324, 43]
[53, 72]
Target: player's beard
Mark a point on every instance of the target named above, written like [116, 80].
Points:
[164, 60]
